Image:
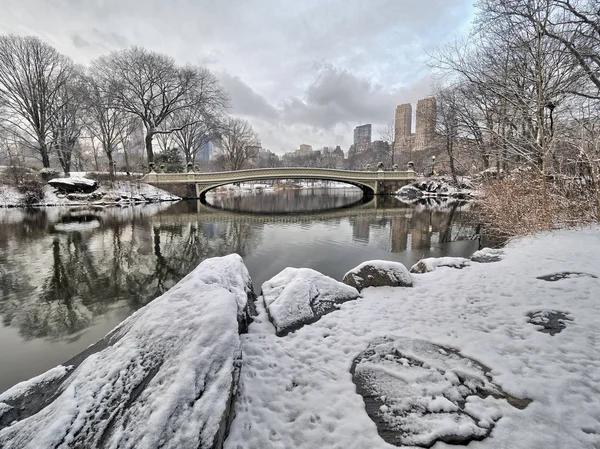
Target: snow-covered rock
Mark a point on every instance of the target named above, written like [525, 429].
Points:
[299, 296]
[165, 377]
[71, 185]
[439, 186]
[432, 263]
[118, 193]
[419, 393]
[550, 321]
[487, 255]
[378, 273]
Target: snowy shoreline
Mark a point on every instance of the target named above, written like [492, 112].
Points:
[499, 349]
[115, 193]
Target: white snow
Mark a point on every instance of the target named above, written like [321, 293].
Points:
[184, 344]
[488, 252]
[118, 192]
[297, 391]
[74, 180]
[298, 295]
[23, 387]
[431, 263]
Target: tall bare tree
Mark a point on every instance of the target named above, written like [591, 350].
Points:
[152, 87]
[67, 123]
[32, 77]
[238, 142]
[105, 120]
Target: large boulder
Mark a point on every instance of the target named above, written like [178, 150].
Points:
[74, 185]
[432, 263]
[165, 377]
[378, 273]
[418, 393]
[299, 296]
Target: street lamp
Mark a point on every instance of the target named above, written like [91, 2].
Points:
[432, 165]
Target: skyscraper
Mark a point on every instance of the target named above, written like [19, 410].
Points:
[403, 125]
[426, 118]
[362, 137]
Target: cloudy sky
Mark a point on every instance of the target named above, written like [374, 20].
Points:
[304, 71]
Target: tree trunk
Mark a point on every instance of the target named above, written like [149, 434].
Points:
[44, 153]
[149, 153]
[111, 166]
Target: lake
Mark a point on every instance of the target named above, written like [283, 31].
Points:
[69, 275]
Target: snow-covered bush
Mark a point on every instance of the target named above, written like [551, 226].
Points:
[49, 173]
[32, 191]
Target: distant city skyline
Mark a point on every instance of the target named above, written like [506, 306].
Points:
[298, 71]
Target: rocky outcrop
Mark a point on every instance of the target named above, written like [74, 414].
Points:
[432, 263]
[438, 186]
[165, 377]
[299, 296]
[74, 185]
[378, 273]
[418, 393]
[550, 321]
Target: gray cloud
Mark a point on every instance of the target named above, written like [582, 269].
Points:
[79, 41]
[245, 101]
[304, 71]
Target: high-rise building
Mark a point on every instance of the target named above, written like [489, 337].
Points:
[403, 127]
[426, 118]
[362, 137]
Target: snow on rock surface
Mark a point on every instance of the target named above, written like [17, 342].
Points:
[118, 192]
[299, 296]
[551, 321]
[438, 186]
[432, 263]
[297, 392]
[74, 184]
[418, 393]
[165, 377]
[378, 273]
[487, 255]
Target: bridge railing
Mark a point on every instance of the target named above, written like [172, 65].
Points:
[283, 173]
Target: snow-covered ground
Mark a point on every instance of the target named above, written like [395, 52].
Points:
[118, 192]
[297, 390]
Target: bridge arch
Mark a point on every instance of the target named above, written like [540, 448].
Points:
[370, 182]
[202, 190]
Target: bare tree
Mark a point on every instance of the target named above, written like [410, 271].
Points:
[238, 142]
[105, 120]
[32, 75]
[66, 123]
[387, 134]
[152, 87]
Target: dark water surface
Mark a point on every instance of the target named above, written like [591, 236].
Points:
[68, 275]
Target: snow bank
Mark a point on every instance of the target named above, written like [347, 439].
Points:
[297, 392]
[299, 296]
[432, 263]
[118, 192]
[378, 273]
[165, 377]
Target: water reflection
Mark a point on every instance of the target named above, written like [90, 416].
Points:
[67, 276]
[287, 201]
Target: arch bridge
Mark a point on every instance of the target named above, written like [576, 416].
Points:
[371, 182]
